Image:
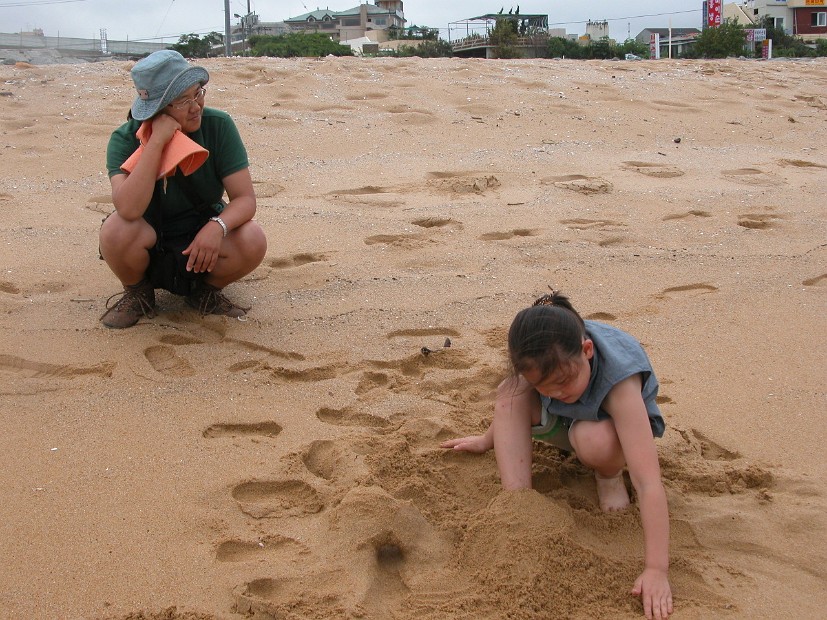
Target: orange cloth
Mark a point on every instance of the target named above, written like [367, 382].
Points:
[180, 152]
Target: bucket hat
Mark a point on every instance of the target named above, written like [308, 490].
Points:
[160, 78]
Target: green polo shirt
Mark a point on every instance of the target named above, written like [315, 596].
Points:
[178, 215]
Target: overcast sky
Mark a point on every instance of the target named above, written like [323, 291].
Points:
[166, 20]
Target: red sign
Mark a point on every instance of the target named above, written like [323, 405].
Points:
[714, 13]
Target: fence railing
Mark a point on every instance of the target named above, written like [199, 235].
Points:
[81, 46]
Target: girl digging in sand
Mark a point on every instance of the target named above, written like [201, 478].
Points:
[587, 388]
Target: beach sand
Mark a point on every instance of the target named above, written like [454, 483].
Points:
[287, 466]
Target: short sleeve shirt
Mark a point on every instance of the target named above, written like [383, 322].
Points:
[219, 135]
[617, 356]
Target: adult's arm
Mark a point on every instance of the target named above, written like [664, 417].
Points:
[132, 193]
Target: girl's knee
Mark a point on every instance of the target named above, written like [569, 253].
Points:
[596, 443]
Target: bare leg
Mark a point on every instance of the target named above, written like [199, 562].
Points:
[597, 446]
[241, 252]
[516, 402]
[125, 245]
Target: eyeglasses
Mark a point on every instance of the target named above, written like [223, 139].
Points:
[183, 105]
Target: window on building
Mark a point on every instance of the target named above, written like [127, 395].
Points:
[778, 22]
[818, 19]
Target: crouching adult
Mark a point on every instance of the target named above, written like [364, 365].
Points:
[169, 166]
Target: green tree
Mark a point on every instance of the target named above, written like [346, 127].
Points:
[193, 46]
[602, 49]
[427, 49]
[633, 46]
[297, 44]
[559, 47]
[503, 36]
[728, 39]
[821, 47]
[784, 44]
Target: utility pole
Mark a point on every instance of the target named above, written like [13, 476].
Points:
[227, 43]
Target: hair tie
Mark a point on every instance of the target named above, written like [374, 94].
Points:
[546, 300]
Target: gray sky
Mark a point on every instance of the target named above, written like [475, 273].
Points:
[167, 19]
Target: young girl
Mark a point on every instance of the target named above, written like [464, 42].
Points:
[588, 388]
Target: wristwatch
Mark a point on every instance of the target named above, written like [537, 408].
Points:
[220, 223]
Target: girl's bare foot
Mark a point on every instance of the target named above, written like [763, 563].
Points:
[611, 492]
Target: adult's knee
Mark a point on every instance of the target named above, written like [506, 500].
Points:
[116, 231]
[253, 241]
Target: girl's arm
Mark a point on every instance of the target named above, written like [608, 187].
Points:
[472, 443]
[509, 433]
[625, 404]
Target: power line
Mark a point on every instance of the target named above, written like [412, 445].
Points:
[617, 19]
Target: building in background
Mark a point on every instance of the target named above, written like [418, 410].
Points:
[679, 40]
[370, 21]
[806, 19]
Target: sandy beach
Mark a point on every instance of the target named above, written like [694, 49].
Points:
[288, 466]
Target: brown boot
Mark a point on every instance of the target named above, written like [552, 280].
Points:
[209, 300]
[138, 300]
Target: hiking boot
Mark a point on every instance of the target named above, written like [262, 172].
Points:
[209, 300]
[138, 300]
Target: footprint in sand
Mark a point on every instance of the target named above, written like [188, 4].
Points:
[256, 429]
[297, 260]
[269, 598]
[401, 241]
[580, 184]
[690, 213]
[8, 287]
[661, 171]
[610, 241]
[39, 370]
[349, 417]
[700, 288]
[712, 451]
[586, 224]
[601, 316]
[462, 183]
[262, 499]
[259, 550]
[436, 222]
[331, 460]
[815, 281]
[165, 361]
[370, 381]
[758, 221]
[800, 163]
[501, 236]
[752, 176]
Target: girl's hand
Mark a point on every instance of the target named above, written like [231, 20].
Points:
[654, 591]
[474, 443]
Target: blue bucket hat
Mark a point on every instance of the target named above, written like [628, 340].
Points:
[160, 78]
